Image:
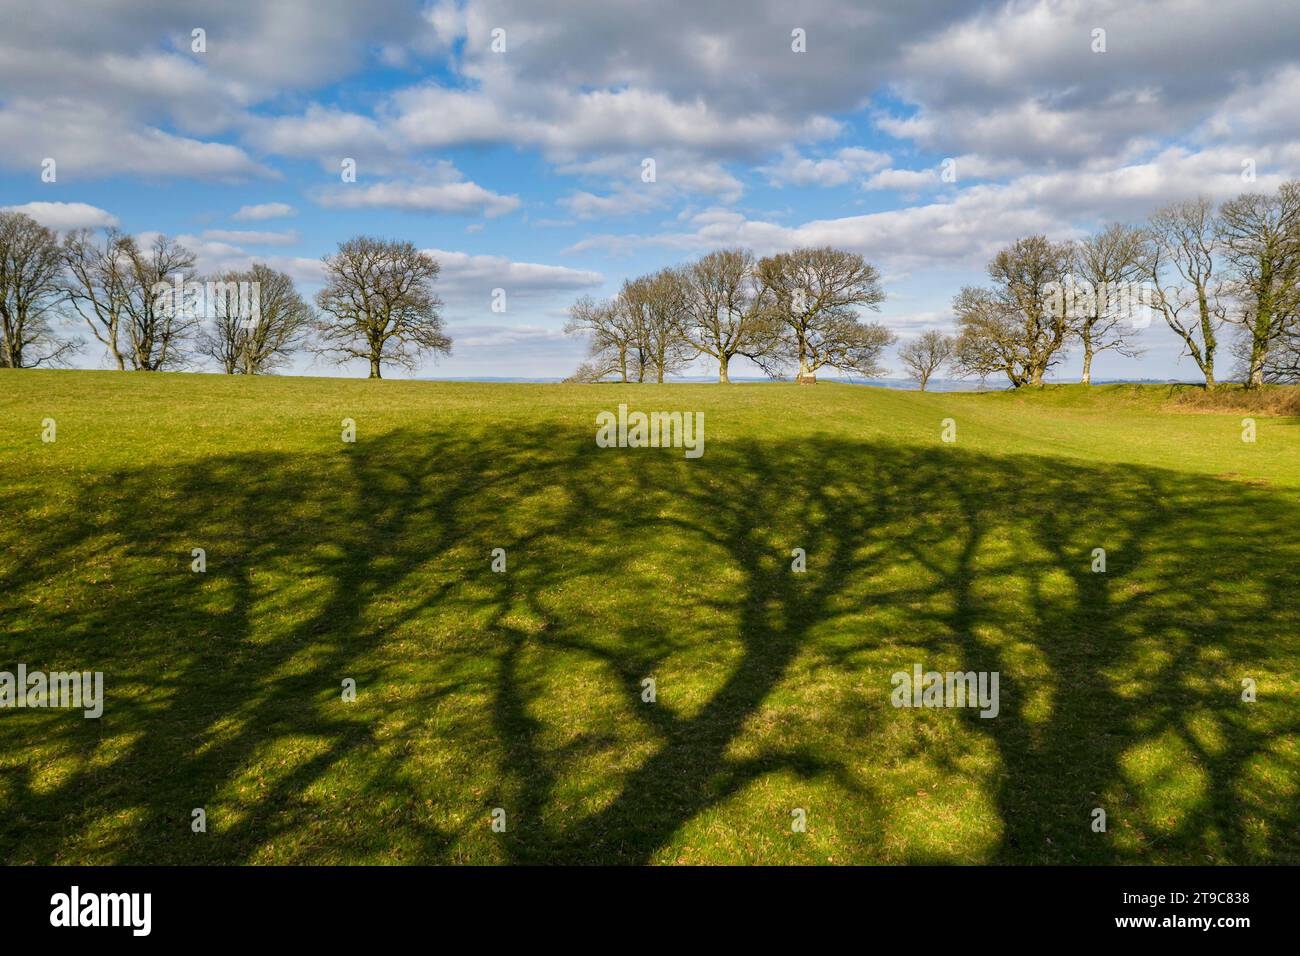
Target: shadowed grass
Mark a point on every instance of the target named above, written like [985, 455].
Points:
[523, 690]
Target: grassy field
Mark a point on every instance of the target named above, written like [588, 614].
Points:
[523, 690]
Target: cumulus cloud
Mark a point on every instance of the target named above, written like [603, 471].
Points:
[1044, 133]
[471, 278]
[508, 336]
[632, 189]
[902, 179]
[568, 123]
[263, 211]
[65, 216]
[1012, 80]
[527, 350]
[86, 143]
[326, 134]
[214, 256]
[251, 237]
[461, 198]
[964, 229]
[109, 90]
[1023, 80]
[845, 166]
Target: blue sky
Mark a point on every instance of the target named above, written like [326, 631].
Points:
[522, 167]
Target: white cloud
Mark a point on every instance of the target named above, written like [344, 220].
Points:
[251, 237]
[903, 179]
[86, 143]
[263, 211]
[677, 175]
[565, 124]
[216, 256]
[1015, 80]
[622, 202]
[65, 216]
[460, 198]
[843, 167]
[471, 278]
[966, 228]
[320, 132]
[909, 325]
[1021, 80]
[508, 336]
[1263, 112]
[140, 53]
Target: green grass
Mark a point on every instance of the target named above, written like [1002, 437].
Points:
[522, 690]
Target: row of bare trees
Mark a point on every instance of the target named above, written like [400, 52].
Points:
[1200, 268]
[794, 311]
[150, 310]
[1046, 296]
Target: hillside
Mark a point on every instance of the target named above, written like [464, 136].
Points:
[523, 690]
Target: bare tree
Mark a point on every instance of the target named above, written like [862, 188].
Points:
[1282, 362]
[137, 302]
[609, 338]
[840, 340]
[925, 355]
[378, 304]
[1018, 327]
[815, 297]
[96, 280]
[1109, 266]
[30, 291]
[654, 307]
[726, 311]
[157, 307]
[257, 321]
[587, 373]
[1181, 265]
[1260, 240]
[631, 317]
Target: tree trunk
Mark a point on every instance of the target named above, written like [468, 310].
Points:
[1262, 325]
[1256, 370]
[374, 367]
[804, 371]
[1208, 340]
[1258, 349]
[110, 339]
[723, 362]
[1087, 365]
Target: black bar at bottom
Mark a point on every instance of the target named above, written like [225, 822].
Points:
[307, 904]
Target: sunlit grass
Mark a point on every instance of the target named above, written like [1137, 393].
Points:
[524, 690]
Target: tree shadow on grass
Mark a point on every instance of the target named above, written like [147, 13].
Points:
[523, 690]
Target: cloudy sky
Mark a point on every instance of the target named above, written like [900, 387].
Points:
[522, 167]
